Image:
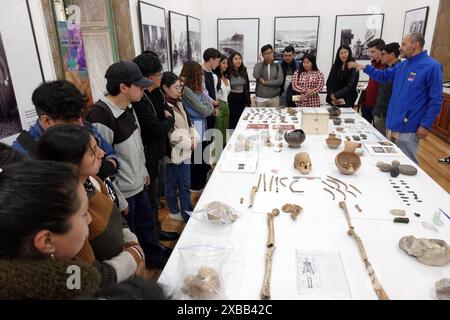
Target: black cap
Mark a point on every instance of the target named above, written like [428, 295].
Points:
[127, 72]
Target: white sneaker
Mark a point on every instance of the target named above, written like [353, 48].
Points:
[176, 216]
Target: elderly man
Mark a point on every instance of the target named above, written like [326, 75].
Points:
[416, 94]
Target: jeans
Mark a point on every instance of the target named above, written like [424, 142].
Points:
[408, 143]
[141, 221]
[178, 177]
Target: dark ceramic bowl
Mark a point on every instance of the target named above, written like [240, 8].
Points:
[295, 138]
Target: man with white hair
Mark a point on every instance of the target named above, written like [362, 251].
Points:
[416, 93]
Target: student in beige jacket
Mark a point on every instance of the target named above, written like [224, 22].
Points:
[183, 139]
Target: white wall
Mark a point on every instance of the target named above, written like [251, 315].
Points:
[187, 7]
[42, 40]
[266, 10]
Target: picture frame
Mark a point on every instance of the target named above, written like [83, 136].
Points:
[179, 49]
[301, 32]
[242, 35]
[19, 77]
[415, 21]
[356, 30]
[154, 31]
[194, 39]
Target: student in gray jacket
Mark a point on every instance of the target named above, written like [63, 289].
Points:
[269, 77]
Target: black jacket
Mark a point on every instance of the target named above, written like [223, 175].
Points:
[154, 127]
[342, 83]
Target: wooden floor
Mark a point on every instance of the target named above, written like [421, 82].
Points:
[430, 149]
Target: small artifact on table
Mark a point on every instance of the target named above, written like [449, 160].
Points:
[358, 208]
[242, 200]
[220, 213]
[332, 141]
[398, 212]
[401, 220]
[337, 122]
[443, 289]
[334, 112]
[349, 120]
[302, 162]
[293, 209]
[203, 285]
[384, 167]
[340, 129]
[432, 252]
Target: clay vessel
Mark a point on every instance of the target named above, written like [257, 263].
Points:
[333, 142]
[348, 162]
[295, 138]
[334, 112]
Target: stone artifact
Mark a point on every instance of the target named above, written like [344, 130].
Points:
[349, 120]
[351, 232]
[203, 285]
[443, 289]
[295, 138]
[384, 167]
[407, 170]
[348, 162]
[401, 220]
[337, 122]
[334, 112]
[293, 209]
[265, 290]
[333, 142]
[432, 252]
[302, 162]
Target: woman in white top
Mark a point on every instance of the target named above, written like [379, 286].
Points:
[223, 117]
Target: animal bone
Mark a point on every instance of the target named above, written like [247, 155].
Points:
[328, 185]
[338, 186]
[265, 291]
[271, 183]
[330, 192]
[355, 188]
[252, 196]
[293, 209]
[443, 289]
[337, 180]
[204, 284]
[345, 197]
[281, 181]
[352, 193]
[276, 183]
[259, 181]
[292, 189]
[264, 182]
[351, 232]
[358, 208]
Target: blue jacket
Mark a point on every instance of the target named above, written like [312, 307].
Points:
[416, 92]
[36, 132]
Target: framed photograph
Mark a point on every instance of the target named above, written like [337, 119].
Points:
[19, 76]
[195, 40]
[241, 35]
[179, 51]
[378, 150]
[356, 31]
[300, 32]
[415, 21]
[154, 31]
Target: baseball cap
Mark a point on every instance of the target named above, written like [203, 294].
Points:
[127, 72]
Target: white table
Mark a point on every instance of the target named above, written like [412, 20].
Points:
[321, 227]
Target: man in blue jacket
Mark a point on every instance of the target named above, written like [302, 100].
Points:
[416, 94]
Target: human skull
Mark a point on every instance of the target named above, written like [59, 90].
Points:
[302, 162]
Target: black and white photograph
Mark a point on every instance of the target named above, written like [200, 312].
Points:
[300, 32]
[19, 75]
[241, 35]
[9, 113]
[154, 31]
[415, 21]
[378, 149]
[195, 41]
[356, 31]
[178, 41]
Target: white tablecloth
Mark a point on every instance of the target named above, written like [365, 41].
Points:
[321, 227]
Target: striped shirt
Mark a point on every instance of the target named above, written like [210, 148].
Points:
[305, 81]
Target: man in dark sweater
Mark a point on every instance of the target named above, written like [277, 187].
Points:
[156, 122]
[389, 58]
[211, 58]
[375, 47]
